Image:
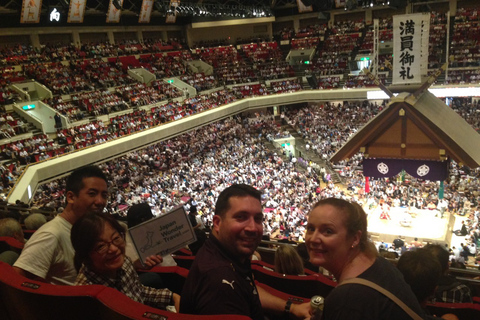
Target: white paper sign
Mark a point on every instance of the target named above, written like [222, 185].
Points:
[409, 55]
[162, 235]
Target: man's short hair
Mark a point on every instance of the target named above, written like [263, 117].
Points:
[139, 213]
[440, 254]
[235, 190]
[34, 221]
[10, 227]
[421, 271]
[75, 180]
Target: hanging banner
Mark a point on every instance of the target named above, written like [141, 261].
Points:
[171, 16]
[31, 11]
[408, 32]
[303, 8]
[113, 14]
[145, 11]
[421, 169]
[76, 11]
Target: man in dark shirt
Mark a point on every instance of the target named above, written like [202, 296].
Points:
[398, 243]
[449, 289]
[220, 280]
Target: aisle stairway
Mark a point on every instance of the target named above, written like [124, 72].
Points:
[305, 154]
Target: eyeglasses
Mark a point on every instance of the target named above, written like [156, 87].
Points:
[103, 247]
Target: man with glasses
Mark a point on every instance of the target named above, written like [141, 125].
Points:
[48, 255]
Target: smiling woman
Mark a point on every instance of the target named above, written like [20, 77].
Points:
[99, 243]
[337, 240]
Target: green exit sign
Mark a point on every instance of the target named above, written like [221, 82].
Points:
[170, 81]
[28, 107]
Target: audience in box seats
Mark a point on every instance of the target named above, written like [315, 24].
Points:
[250, 90]
[200, 81]
[285, 86]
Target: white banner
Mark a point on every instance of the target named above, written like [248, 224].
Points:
[408, 34]
[31, 11]
[113, 14]
[146, 11]
[76, 11]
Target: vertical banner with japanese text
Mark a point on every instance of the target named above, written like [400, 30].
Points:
[31, 11]
[408, 33]
[114, 13]
[146, 11]
[76, 11]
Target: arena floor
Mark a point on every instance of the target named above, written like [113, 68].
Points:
[426, 225]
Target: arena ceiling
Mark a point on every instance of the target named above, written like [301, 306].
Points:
[187, 12]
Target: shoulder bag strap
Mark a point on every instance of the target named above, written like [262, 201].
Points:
[385, 292]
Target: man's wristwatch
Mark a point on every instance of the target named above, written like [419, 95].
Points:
[287, 306]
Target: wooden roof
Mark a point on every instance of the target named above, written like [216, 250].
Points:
[408, 128]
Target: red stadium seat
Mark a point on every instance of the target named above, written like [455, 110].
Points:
[172, 277]
[9, 243]
[184, 261]
[467, 311]
[272, 267]
[283, 295]
[183, 252]
[302, 286]
[124, 306]
[25, 299]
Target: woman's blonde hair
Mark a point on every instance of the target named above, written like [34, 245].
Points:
[288, 261]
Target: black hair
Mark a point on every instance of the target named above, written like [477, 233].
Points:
[235, 190]
[85, 233]
[139, 213]
[75, 180]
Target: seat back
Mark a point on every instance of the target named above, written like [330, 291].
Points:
[183, 252]
[25, 299]
[271, 267]
[172, 277]
[467, 311]
[9, 243]
[302, 286]
[283, 295]
[124, 306]
[184, 261]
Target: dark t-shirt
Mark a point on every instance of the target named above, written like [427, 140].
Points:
[217, 283]
[356, 301]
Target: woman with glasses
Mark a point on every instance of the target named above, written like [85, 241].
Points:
[99, 243]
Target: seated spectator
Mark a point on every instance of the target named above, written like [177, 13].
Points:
[34, 221]
[288, 261]
[422, 272]
[10, 227]
[449, 289]
[99, 243]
